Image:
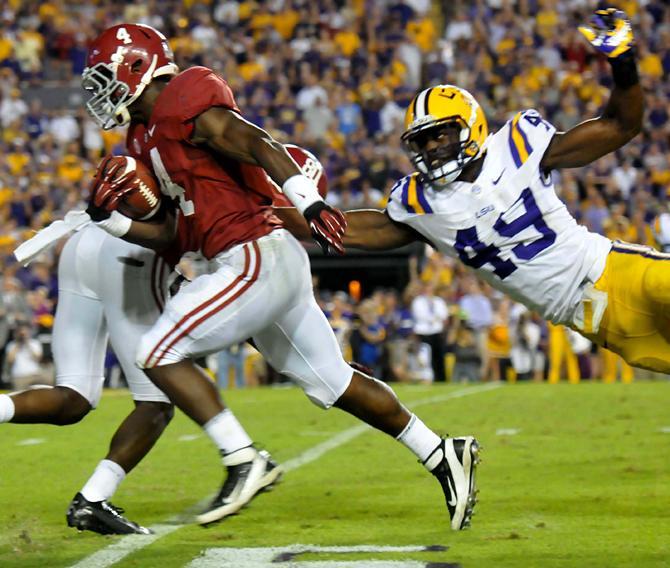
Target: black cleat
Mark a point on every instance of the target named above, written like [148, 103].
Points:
[249, 473]
[101, 517]
[453, 463]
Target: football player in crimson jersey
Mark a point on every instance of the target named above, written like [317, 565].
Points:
[189, 128]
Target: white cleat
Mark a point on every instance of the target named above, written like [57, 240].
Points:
[249, 472]
[454, 463]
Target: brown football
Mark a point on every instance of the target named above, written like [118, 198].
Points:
[143, 202]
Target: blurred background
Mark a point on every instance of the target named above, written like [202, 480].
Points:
[334, 76]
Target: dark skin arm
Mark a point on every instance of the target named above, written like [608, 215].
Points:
[620, 122]
[228, 134]
[155, 234]
[367, 229]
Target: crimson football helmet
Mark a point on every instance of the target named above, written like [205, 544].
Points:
[121, 62]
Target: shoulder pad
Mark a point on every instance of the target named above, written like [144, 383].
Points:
[528, 134]
[409, 194]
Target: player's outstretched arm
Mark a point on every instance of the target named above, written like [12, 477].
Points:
[371, 229]
[610, 33]
[367, 229]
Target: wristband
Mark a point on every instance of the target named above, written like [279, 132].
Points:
[301, 191]
[116, 225]
[624, 69]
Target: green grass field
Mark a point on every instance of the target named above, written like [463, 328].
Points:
[571, 476]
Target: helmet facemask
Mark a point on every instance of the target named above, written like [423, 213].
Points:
[111, 97]
[451, 151]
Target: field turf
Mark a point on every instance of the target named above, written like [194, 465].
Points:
[571, 476]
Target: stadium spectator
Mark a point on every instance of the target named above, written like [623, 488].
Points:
[430, 315]
[462, 343]
[12, 108]
[231, 360]
[372, 336]
[413, 364]
[479, 314]
[24, 354]
[560, 355]
[340, 317]
[498, 342]
[526, 359]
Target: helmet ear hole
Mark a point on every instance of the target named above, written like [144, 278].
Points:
[136, 66]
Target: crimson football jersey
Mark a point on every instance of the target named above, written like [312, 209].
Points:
[220, 201]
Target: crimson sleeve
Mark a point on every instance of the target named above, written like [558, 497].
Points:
[206, 90]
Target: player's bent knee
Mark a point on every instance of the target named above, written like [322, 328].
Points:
[161, 413]
[72, 407]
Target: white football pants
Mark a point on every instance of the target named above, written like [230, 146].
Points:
[261, 289]
[108, 288]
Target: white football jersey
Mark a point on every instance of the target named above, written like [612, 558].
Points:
[509, 225]
[662, 231]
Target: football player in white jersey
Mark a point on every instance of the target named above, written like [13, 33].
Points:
[490, 201]
[112, 289]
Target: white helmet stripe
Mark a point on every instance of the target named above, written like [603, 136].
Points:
[420, 109]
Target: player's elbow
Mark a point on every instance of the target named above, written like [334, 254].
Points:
[628, 128]
[632, 130]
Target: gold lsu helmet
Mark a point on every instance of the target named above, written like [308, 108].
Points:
[451, 117]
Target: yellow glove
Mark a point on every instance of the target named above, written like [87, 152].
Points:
[609, 32]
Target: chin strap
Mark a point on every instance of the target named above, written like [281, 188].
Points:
[483, 148]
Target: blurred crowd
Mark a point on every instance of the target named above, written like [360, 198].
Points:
[335, 76]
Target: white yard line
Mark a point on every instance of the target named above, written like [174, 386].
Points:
[31, 442]
[188, 437]
[507, 431]
[132, 543]
[286, 556]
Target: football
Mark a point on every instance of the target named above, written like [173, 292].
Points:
[145, 199]
[311, 167]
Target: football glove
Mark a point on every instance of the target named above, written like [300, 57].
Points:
[327, 225]
[609, 31]
[110, 185]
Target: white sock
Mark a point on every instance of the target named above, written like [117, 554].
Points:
[104, 481]
[6, 408]
[227, 433]
[419, 438]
